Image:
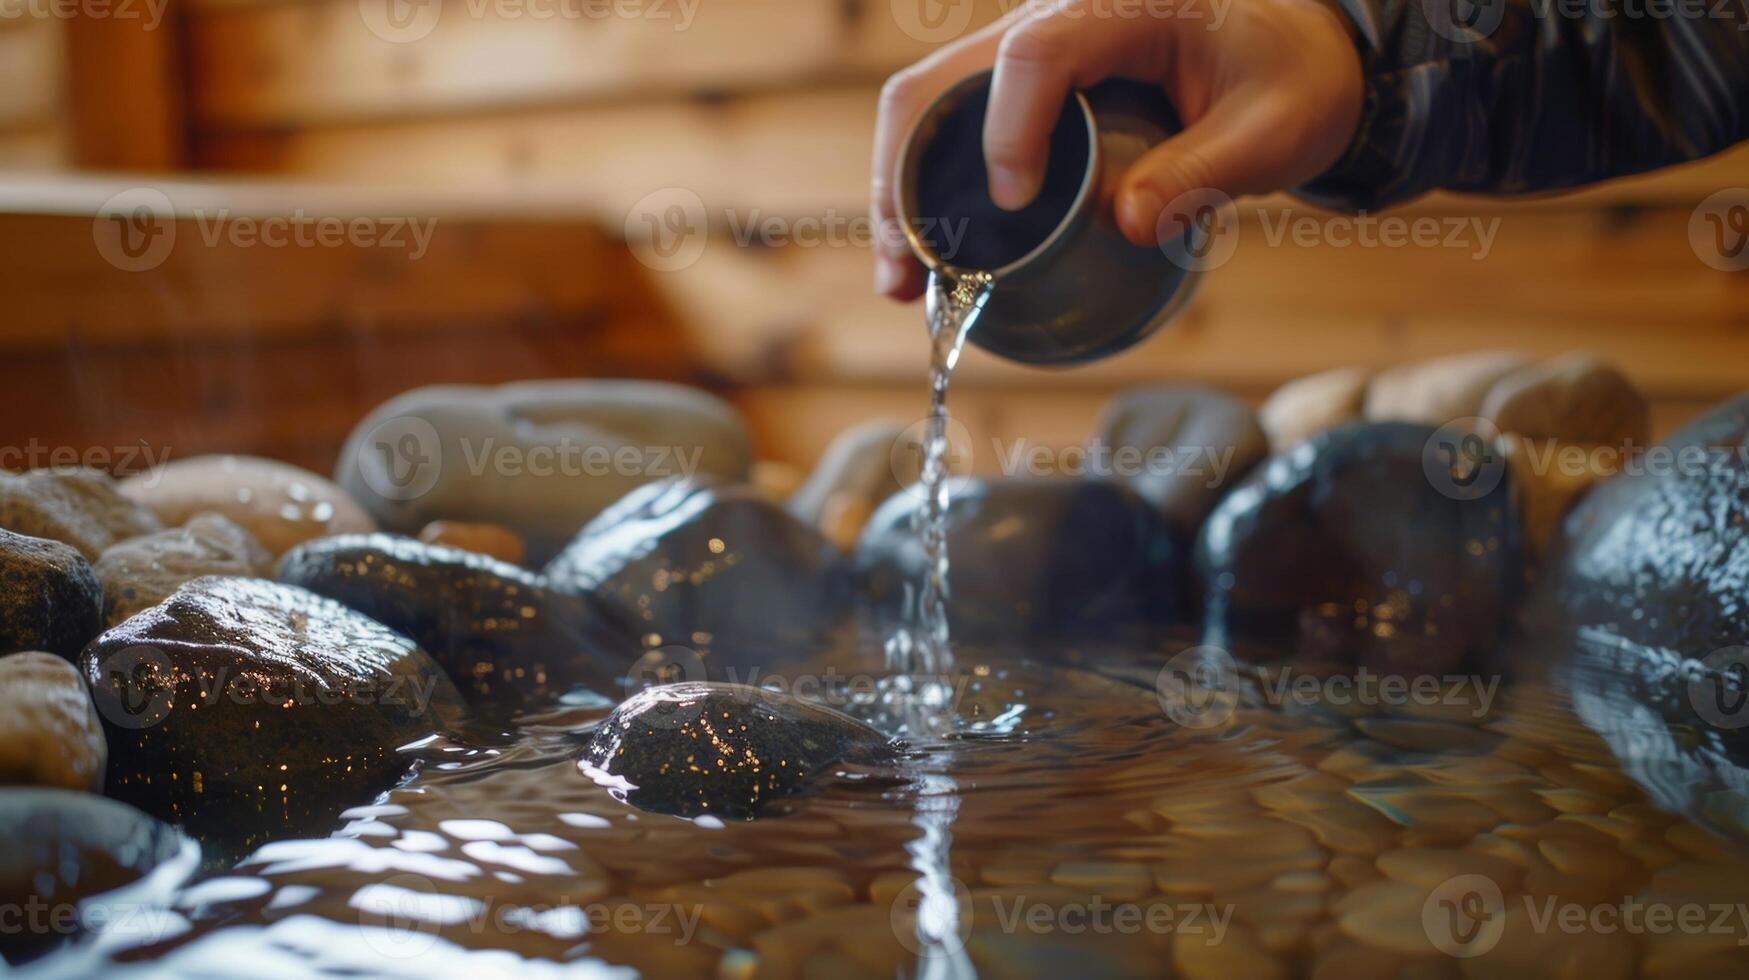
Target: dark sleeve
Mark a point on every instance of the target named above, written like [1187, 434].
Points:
[1536, 95]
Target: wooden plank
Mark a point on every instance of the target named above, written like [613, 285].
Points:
[31, 72]
[124, 89]
[41, 148]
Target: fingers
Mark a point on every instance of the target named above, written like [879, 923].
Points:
[897, 272]
[1244, 144]
[1037, 64]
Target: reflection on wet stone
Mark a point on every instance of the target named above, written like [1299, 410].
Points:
[244, 709]
[49, 597]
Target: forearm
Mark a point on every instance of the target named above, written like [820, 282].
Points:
[1560, 93]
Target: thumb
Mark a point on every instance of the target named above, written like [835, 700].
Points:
[1235, 148]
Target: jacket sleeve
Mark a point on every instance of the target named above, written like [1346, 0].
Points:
[1518, 96]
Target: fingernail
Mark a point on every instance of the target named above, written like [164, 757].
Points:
[1139, 211]
[1011, 189]
[887, 276]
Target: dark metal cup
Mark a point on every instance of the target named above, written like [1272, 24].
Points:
[1068, 287]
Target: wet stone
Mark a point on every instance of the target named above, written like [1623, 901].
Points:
[726, 581]
[49, 598]
[278, 503]
[1440, 389]
[80, 507]
[49, 731]
[1343, 551]
[1033, 558]
[1315, 403]
[245, 709]
[726, 749]
[1181, 447]
[499, 632]
[143, 571]
[540, 457]
[67, 849]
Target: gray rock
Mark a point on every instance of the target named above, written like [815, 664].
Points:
[245, 709]
[540, 457]
[502, 635]
[1344, 551]
[1032, 558]
[49, 598]
[80, 507]
[859, 463]
[724, 749]
[719, 571]
[280, 504]
[1181, 447]
[49, 731]
[67, 850]
[143, 571]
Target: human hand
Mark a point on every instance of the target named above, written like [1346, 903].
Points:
[1270, 97]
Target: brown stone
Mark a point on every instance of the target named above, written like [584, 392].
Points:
[492, 540]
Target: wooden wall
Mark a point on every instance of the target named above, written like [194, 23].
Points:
[763, 108]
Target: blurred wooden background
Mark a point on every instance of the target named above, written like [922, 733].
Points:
[531, 139]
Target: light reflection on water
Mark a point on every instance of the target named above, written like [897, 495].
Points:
[1320, 828]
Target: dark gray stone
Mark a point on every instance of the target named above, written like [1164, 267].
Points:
[1344, 551]
[724, 749]
[502, 635]
[1033, 558]
[66, 850]
[717, 570]
[245, 709]
[49, 598]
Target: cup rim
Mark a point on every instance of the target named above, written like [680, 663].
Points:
[905, 192]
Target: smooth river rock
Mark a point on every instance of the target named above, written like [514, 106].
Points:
[74, 860]
[540, 457]
[1034, 558]
[1181, 447]
[80, 507]
[1660, 557]
[246, 709]
[1343, 551]
[724, 749]
[49, 598]
[502, 635]
[1438, 390]
[491, 540]
[49, 731]
[143, 571]
[280, 504]
[1316, 403]
[716, 570]
[1575, 398]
